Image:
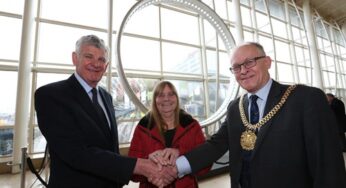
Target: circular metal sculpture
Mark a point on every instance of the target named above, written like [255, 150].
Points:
[208, 14]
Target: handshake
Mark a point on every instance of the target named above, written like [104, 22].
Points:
[159, 168]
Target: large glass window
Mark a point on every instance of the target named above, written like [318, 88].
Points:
[57, 42]
[246, 16]
[12, 6]
[8, 82]
[263, 22]
[221, 8]
[276, 9]
[159, 42]
[294, 17]
[140, 54]
[185, 59]
[283, 52]
[88, 13]
[303, 76]
[120, 8]
[6, 141]
[209, 34]
[179, 27]
[145, 22]
[279, 28]
[10, 37]
[286, 73]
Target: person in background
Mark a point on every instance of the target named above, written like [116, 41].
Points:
[338, 108]
[77, 118]
[277, 135]
[166, 131]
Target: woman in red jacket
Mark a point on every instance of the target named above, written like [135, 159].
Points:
[166, 126]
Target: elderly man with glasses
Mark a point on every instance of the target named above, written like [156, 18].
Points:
[277, 135]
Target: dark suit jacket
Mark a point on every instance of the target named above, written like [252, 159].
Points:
[297, 148]
[338, 108]
[83, 151]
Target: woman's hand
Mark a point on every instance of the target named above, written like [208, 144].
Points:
[165, 157]
[157, 157]
[171, 155]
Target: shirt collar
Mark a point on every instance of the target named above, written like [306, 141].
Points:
[263, 92]
[86, 87]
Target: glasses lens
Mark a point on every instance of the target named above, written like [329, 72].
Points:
[250, 63]
[247, 64]
[235, 69]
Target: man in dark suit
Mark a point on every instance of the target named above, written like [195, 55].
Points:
[77, 119]
[289, 140]
[338, 108]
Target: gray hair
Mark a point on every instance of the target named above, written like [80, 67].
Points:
[258, 46]
[92, 40]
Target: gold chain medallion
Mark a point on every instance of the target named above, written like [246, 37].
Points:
[248, 140]
[248, 137]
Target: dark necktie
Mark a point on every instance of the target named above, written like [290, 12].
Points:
[254, 118]
[97, 106]
[102, 115]
[254, 112]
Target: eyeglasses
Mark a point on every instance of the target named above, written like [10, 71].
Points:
[163, 95]
[249, 63]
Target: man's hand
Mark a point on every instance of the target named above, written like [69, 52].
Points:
[156, 174]
[166, 176]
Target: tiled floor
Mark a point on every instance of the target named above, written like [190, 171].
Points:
[13, 181]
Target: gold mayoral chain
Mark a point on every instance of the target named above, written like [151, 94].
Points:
[248, 137]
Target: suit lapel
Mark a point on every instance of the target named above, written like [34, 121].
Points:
[274, 97]
[112, 119]
[81, 97]
[83, 100]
